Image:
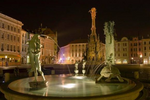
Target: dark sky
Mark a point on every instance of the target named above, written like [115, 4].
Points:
[71, 19]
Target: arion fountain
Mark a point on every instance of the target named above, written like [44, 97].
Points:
[76, 87]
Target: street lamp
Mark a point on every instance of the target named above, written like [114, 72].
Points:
[6, 60]
[132, 60]
[141, 58]
[5, 57]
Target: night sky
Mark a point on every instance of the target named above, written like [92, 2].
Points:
[71, 19]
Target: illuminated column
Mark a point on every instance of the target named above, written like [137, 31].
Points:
[93, 16]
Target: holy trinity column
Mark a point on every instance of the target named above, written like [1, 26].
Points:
[93, 41]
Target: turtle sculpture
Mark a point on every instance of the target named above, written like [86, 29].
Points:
[110, 72]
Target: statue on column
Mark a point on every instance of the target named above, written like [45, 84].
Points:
[93, 16]
[109, 71]
[93, 13]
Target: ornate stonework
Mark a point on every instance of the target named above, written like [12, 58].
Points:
[94, 46]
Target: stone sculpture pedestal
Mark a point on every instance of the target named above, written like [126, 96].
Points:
[38, 84]
[76, 72]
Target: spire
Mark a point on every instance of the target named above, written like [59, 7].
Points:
[93, 17]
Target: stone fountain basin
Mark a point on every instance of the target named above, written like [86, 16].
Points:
[72, 88]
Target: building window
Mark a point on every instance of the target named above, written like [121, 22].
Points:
[144, 43]
[139, 49]
[144, 48]
[8, 36]
[139, 43]
[22, 49]
[18, 39]
[11, 47]
[135, 44]
[144, 54]
[2, 35]
[3, 26]
[18, 49]
[2, 47]
[8, 47]
[14, 49]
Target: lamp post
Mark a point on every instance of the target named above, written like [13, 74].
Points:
[6, 60]
[140, 58]
[132, 60]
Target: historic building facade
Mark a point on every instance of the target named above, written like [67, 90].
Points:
[145, 55]
[10, 40]
[135, 50]
[132, 51]
[122, 51]
[48, 52]
[50, 35]
[25, 38]
[73, 52]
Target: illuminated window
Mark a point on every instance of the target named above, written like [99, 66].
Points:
[125, 61]
[118, 61]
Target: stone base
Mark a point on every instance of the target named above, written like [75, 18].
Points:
[38, 84]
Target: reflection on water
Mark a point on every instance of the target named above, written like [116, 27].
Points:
[67, 86]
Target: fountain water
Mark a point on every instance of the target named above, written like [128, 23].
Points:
[57, 46]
